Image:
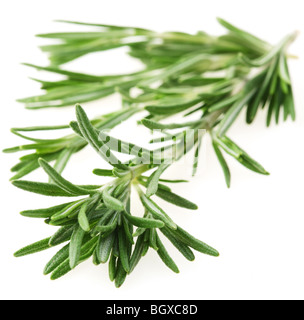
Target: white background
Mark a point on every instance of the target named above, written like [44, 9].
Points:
[257, 224]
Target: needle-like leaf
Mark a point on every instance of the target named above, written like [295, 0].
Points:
[194, 243]
[60, 181]
[111, 202]
[163, 254]
[156, 211]
[44, 213]
[46, 189]
[82, 217]
[91, 136]
[75, 246]
[223, 164]
[57, 259]
[144, 222]
[33, 248]
[104, 247]
[152, 182]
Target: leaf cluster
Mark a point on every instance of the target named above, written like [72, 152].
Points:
[207, 79]
[100, 225]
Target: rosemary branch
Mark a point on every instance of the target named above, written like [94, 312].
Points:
[101, 225]
[212, 78]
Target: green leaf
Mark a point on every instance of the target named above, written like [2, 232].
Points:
[162, 126]
[27, 168]
[108, 228]
[75, 246]
[104, 247]
[152, 182]
[170, 181]
[223, 103]
[139, 231]
[29, 163]
[152, 239]
[90, 134]
[257, 98]
[33, 248]
[75, 36]
[112, 267]
[240, 155]
[20, 165]
[283, 69]
[120, 275]
[246, 38]
[111, 202]
[57, 259]
[60, 181]
[145, 247]
[289, 104]
[69, 97]
[41, 128]
[103, 215]
[86, 251]
[271, 54]
[75, 127]
[41, 148]
[143, 222]
[165, 257]
[103, 172]
[182, 64]
[11, 150]
[128, 228]
[194, 243]
[233, 112]
[44, 213]
[68, 211]
[176, 199]
[41, 141]
[82, 217]
[71, 75]
[114, 27]
[61, 270]
[61, 235]
[137, 252]
[223, 164]
[245, 159]
[123, 250]
[46, 189]
[174, 108]
[179, 245]
[156, 211]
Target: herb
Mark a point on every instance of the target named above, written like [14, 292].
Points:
[211, 78]
[101, 224]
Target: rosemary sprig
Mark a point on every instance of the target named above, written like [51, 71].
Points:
[167, 56]
[59, 149]
[219, 79]
[210, 78]
[100, 225]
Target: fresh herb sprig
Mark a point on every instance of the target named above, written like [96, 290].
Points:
[60, 149]
[166, 57]
[210, 78]
[220, 78]
[100, 225]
